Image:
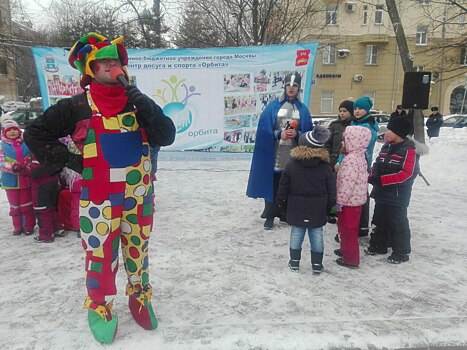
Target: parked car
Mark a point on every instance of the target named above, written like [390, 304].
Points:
[13, 105]
[23, 116]
[451, 119]
[382, 118]
[461, 123]
[323, 120]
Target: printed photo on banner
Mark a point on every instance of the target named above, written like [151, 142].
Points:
[264, 99]
[239, 104]
[63, 85]
[237, 82]
[240, 121]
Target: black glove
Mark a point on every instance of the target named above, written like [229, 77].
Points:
[138, 99]
[36, 172]
[75, 162]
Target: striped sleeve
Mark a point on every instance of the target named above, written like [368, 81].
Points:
[408, 168]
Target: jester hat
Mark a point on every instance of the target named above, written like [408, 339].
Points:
[93, 47]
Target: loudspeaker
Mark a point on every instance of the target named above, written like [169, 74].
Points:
[416, 91]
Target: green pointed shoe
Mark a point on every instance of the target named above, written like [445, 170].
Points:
[103, 331]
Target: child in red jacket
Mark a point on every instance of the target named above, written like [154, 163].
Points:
[44, 190]
[14, 156]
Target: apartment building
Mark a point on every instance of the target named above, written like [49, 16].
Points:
[8, 86]
[358, 53]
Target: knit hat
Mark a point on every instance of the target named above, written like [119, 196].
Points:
[93, 47]
[315, 138]
[293, 79]
[8, 125]
[400, 125]
[399, 107]
[434, 109]
[364, 103]
[348, 105]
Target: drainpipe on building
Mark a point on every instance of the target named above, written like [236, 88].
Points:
[443, 42]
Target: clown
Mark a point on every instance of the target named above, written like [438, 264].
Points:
[113, 127]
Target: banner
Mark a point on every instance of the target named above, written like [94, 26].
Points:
[214, 96]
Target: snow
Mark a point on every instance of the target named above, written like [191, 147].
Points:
[222, 282]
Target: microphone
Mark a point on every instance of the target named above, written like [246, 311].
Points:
[117, 74]
[292, 124]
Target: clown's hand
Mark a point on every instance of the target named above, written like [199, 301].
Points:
[75, 162]
[138, 99]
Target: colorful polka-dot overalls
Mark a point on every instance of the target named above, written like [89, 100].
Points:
[116, 204]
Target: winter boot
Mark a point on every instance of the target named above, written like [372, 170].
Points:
[294, 262]
[140, 306]
[337, 252]
[39, 239]
[341, 262]
[102, 323]
[317, 262]
[373, 250]
[269, 223]
[397, 259]
[60, 233]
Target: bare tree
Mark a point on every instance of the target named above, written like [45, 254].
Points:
[244, 22]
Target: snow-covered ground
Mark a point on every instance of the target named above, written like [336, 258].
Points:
[222, 282]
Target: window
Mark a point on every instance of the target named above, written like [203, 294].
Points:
[327, 99]
[371, 54]
[424, 2]
[421, 38]
[3, 66]
[379, 14]
[461, 19]
[331, 15]
[365, 15]
[329, 54]
[464, 56]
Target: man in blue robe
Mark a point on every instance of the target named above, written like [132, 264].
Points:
[279, 128]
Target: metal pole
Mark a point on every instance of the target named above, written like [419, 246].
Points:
[465, 93]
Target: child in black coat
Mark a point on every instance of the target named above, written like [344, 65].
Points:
[392, 177]
[307, 190]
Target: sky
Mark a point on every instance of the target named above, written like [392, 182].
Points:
[222, 282]
[37, 9]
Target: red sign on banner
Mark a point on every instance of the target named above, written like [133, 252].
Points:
[302, 57]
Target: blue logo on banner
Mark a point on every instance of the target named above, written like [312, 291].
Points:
[177, 108]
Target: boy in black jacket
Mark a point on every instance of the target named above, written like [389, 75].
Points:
[392, 177]
[307, 190]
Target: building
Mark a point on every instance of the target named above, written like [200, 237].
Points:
[359, 55]
[8, 85]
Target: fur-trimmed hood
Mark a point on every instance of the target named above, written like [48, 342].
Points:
[420, 148]
[310, 156]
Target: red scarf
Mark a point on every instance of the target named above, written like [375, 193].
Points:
[109, 99]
